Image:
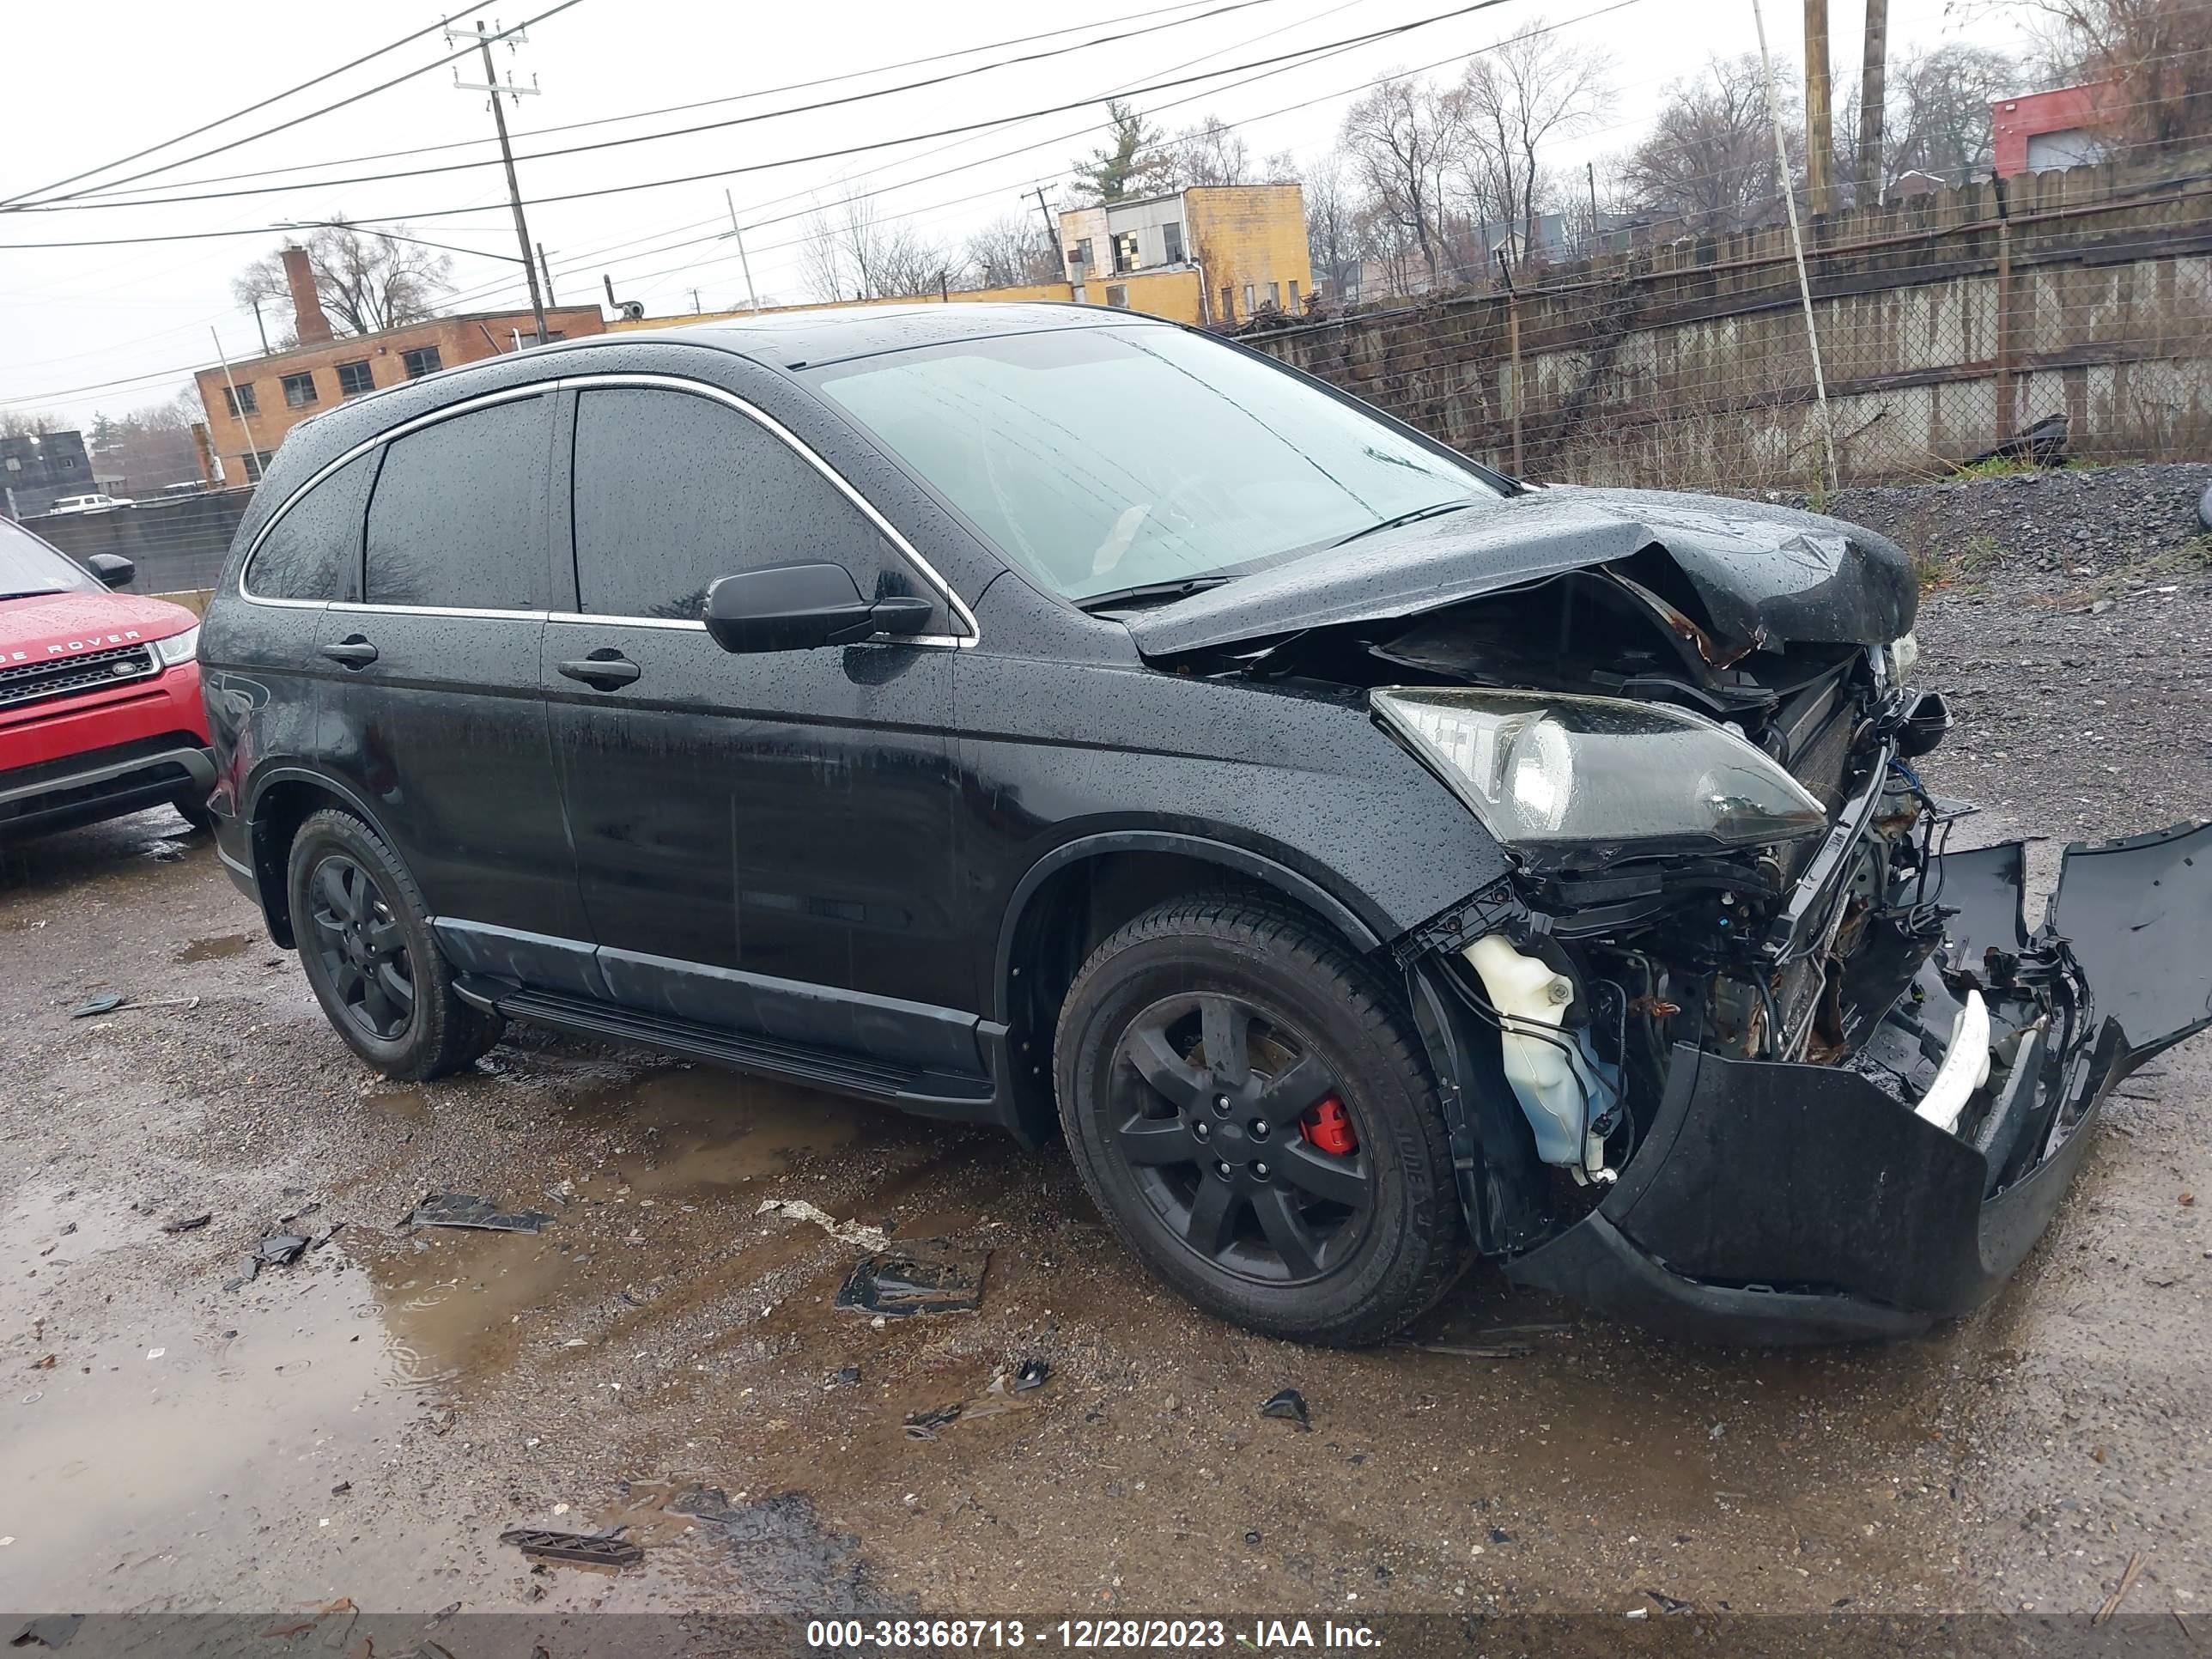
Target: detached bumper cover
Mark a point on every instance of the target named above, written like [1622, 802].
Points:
[1774, 1202]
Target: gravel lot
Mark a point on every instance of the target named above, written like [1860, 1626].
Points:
[364, 1422]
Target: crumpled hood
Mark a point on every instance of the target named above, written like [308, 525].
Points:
[1767, 574]
[63, 624]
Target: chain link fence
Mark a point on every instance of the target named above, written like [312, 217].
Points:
[2055, 316]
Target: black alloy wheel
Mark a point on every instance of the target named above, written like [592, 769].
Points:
[364, 940]
[1246, 1100]
[362, 947]
[1209, 1103]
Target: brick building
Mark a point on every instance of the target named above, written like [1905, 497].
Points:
[2040, 130]
[274, 393]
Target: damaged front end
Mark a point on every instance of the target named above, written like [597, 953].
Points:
[1739, 1050]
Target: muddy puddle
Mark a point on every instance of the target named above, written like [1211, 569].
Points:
[217, 948]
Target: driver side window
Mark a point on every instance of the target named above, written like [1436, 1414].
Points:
[673, 490]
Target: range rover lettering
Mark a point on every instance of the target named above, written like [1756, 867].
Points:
[1050, 718]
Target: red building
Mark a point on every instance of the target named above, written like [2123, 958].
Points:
[2046, 129]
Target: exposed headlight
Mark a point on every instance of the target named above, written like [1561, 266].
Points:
[178, 648]
[1544, 770]
[1903, 652]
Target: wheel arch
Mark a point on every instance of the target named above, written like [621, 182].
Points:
[281, 801]
[1083, 890]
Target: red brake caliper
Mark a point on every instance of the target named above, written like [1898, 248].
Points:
[1327, 1127]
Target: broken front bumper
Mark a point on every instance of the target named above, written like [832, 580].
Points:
[1773, 1202]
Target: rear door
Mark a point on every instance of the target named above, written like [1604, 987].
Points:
[763, 843]
[435, 714]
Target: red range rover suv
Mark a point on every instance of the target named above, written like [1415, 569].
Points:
[100, 697]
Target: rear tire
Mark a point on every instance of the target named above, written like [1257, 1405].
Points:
[1192, 1047]
[364, 940]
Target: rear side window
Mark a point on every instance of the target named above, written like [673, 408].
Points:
[673, 490]
[313, 552]
[458, 517]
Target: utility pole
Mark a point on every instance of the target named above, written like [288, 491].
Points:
[260, 327]
[1051, 230]
[1874, 89]
[737, 231]
[1797, 248]
[1589, 172]
[483, 40]
[545, 269]
[1820, 124]
[252, 444]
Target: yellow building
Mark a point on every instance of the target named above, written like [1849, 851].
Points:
[1214, 253]
[1245, 244]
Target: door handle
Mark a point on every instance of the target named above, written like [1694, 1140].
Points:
[603, 670]
[353, 651]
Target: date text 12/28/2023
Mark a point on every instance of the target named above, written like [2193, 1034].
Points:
[1092, 1635]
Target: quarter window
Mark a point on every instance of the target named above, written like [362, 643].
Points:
[458, 518]
[353, 378]
[314, 550]
[423, 359]
[299, 390]
[674, 491]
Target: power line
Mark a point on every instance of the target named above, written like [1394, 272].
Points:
[61, 204]
[1162, 145]
[585, 261]
[640, 115]
[1308, 52]
[235, 115]
[72, 206]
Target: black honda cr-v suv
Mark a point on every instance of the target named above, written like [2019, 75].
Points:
[1046, 717]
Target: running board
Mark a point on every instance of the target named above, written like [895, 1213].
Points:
[931, 1094]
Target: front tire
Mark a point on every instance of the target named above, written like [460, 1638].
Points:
[364, 939]
[1244, 1100]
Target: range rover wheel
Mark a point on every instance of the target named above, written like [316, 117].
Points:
[364, 937]
[1243, 1099]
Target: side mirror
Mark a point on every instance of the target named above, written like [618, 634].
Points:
[111, 568]
[800, 607]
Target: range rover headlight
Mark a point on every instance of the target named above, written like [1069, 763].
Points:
[1548, 772]
[178, 648]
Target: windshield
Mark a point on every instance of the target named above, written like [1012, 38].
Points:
[1106, 458]
[28, 566]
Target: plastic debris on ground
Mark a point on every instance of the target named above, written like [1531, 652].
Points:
[585, 1548]
[926, 1277]
[462, 1210]
[185, 1224]
[1289, 1405]
[106, 1003]
[927, 1425]
[856, 1233]
[1031, 1374]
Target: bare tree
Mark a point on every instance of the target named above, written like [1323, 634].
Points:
[1011, 251]
[1332, 225]
[1212, 153]
[367, 283]
[31, 422]
[1520, 95]
[1708, 161]
[1400, 139]
[2154, 55]
[851, 252]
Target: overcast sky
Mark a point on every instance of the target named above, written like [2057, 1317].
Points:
[74, 322]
